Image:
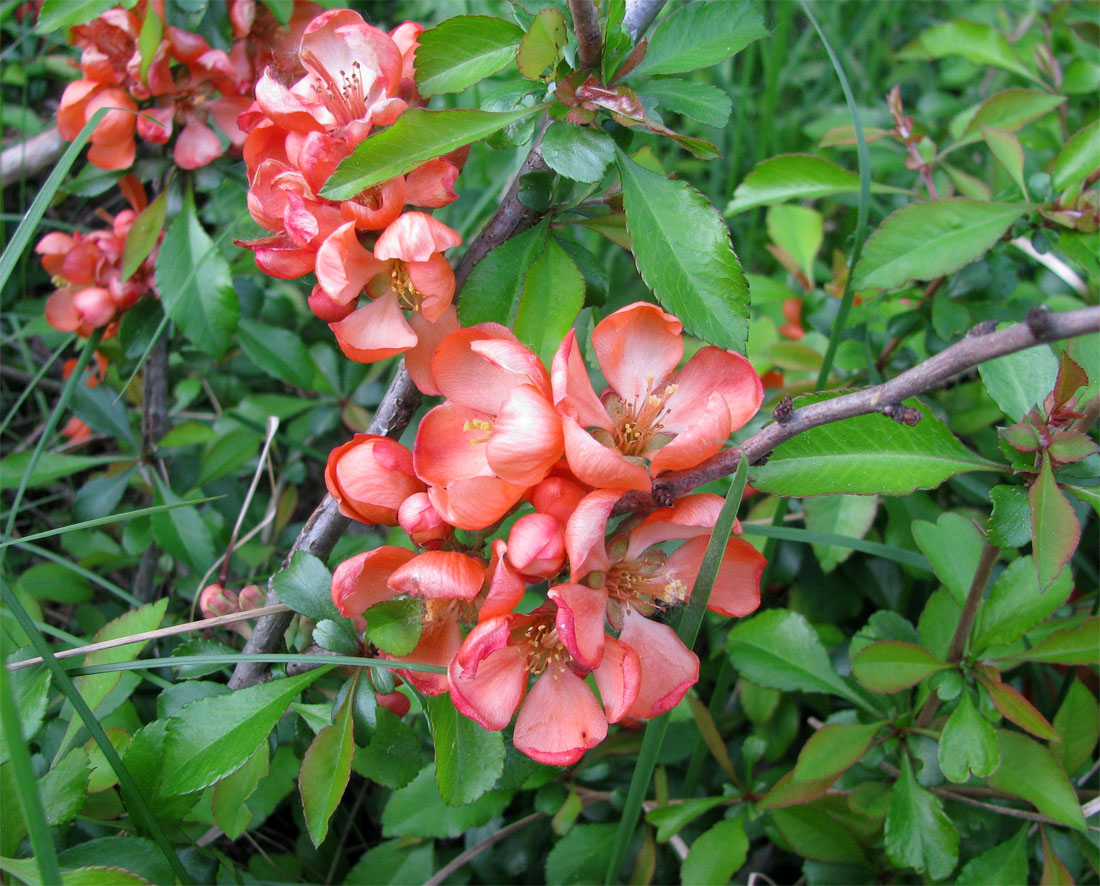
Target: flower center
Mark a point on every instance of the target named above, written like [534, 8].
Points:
[646, 582]
[345, 98]
[479, 424]
[638, 422]
[544, 649]
[408, 296]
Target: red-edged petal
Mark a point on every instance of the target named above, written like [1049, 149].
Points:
[505, 586]
[536, 545]
[436, 574]
[432, 184]
[467, 377]
[559, 720]
[344, 266]
[736, 590]
[596, 464]
[638, 347]
[527, 437]
[377, 207]
[585, 531]
[691, 516]
[714, 370]
[618, 678]
[415, 236]
[280, 257]
[475, 503]
[434, 279]
[361, 581]
[375, 331]
[370, 477]
[668, 667]
[573, 393]
[488, 679]
[580, 621]
[701, 439]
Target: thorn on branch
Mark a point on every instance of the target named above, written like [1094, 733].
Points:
[1038, 320]
[903, 415]
[763, 460]
[784, 411]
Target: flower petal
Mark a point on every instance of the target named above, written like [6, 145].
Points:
[375, 331]
[736, 590]
[580, 621]
[345, 266]
[618, 678]
[436, 574]
[573, 393]
[668, 667]
[415, 236]
[704, 437]
[505, 586]
[475, 503]
[527, 437]
[638, 347]
[714, 370]
[559, 720]
[370, 477]
[439, 641]
[360, 582]
[585, 531]
[418, 360]
[597, 465]
[450, 445]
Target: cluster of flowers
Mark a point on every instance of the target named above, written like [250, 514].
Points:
[87, 269]
[509, 432]
[356, 78]
[184, 83]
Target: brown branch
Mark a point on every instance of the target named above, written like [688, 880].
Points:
[586, 25]
[980, 345]
[28, 158]
[399, 404]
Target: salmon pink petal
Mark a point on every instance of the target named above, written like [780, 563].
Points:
[436, 574]
[422, 522]
[557, 496]
[691, 516]
[536, 545]
[339, 40]
[487, 678]
[713, 370]
[439, 641]
[596, 464]
[668, 667]
[488, 636]
[466, 377]
[559, 720]
[61, 314]
[376, 207]
[283, 107]
[113, 155]
[432, 184]
[429, 334]
[375, 331]
[638, 347]
[434, 279]
[225, 111]
[71, 115]
[415, 236]
[505, 586]
[527, 438]
[95, 306]
[736, 590]
[345, 266]
[450, 445]
[475, 502]
[361, 581]
[585, 532]
[160, 131]
[324, 308]
[196, 146]
[580, 621]
[280, 257]
[516, 359]
[618, 678]
[704, 437]
[370, 477]
[573, 393]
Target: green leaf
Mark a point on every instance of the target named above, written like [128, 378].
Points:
[979, 43]
[891, 665]
[1078, 157]
[953, 545]
[393, 757]
[1006, 148]
[305, 585]
[417, 810]
[104, 411]
[230, 795]
[30, 688]
[136, 854]
[779, 649]
[1073, 646]
[1016, 604]
[394, 626]
[56, 14]
[683, 252]
[1077, 727]
[393, 862]
[541, 46]
[919, 834]
[581, 855]
[460, 51]
[796, 177]
[279, 352]
[65, 787]
[1011, 109]
[146, 229]
[226, 454]
[553, 295]
[799, 231]
[834, 748]
[52, 466]
[326, 768]
[1009, 524]
[468, 759]
[813, 833]
[494, 288]
[581, 153]
[182, 532]
[336, 636]
[212, 737]
[968, 743]
[152, 29]
[1055, 530]
[1019, 381]
[700, 102]
[931, 239]
[194, 284]
[848, 515]
[1004, 863]
[700, 35]
[867, 455]
[1028, 770]
[416, 137]
[671, 818]
[717, 853]
[1018, 709]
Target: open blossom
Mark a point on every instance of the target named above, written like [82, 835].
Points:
[651, 414]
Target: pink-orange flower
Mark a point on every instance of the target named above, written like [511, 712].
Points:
[370, 477]
[651, 414]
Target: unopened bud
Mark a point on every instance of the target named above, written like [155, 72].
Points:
[251, 597]
[216, 600]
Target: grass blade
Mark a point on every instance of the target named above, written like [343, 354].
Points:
[877, 549]
[34, 381]
[268, 658]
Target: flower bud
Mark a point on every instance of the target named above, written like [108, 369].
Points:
[251, 597]
[370, 478]
[536, 545]
[216, 600]
[419, 518]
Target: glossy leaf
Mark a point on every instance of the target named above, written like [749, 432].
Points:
[717, 853]
[834, 748]
[1055, 530]
[417, 810]
[393, 757]
[968, 743]
[701, 102]
[866, 455]
[796, 177]
[553, 295]
[30, 691]
[671, 818]
[1078, 158]
[51, 466]
[231, 812]
[212, 737]
[460, 51]
[931, 239]
[848, 515]
[1004, 863]
[144, 233]
[103, 410]
[1019, 381]
[1016, 604]
[1077, 728]
[326, 768]
[279, 352]
[1074, 646]
[700, 35]
[683, 252]
[919, 834]
[1011, 109]
[395, 625]
[468, 759]
[64, 788]
[1007, 149]
[305, 585]
[541, 46]
[953, 545]
[493, 290]
[1029, 770]
[1013, 706]
[56, 14]
[891, 665]
[811, 832]
[577, 152]
[975, 41]
[1009, 524]
[416, 137]
[394, 862]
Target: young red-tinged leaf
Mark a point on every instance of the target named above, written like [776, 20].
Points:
[1004, 863]
[1013, 706]
[1068, 447]
[553, 295]
[717, 853]
[919, 834]
[460, 51]
[833, 749]
[710, 734]
[1016, 604]
[542, 44]
[700, 35]
[326, 768]
[930, 239]
[1055, 530]
[968, 743]
[669, 819]
[230, 795]
[1006, 148]
[1078, 157]
[1073, 646]
[683, 252]
[953, 545]
[1055, 873]
[813, 833]
[468, 759]
[144, 232]
[494, 288]
[1077, 724]
[1021, 436]
[788, 792]
[1029, 770]
[1071, 377]
[892, 666]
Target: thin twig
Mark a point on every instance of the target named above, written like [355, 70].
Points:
[586, 26]
[28, 158]
[474, 851]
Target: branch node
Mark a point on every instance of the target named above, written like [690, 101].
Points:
[763, 460]
[983, 328]
[903, 415]
[1038, 320]
[663, 495]
[784, 411]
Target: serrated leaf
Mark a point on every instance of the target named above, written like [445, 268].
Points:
[103, 410]
[717, 853]
[919, 834]
[230, 795]
[683, 252]
[336, 636]
[212, 737]
[305, 585]
[581, 153]
[796, 177]
[195, 285]
[581, 855]
[1004, 863]
[1016, 604]
[1018, 709]
[1019, 381]
[1073, 646]
[468, 759]
[144, 232]
[1078, 158]
[867, 455]
[65, 787]
[1077, 728]
[1006, 148]
[416, 137]
[832, 749]
[1055, 530]
[492, 292]
[541, 46]
[813, 833]
[850, 515]
[30, 691]
[891, 665]
[931, 239]
[1011, 109]
[953, 545]
[698, 101]
[1009, 523]
[553, 295]
[279, 352]
[326, 768]
[700, 35]
[417, 810]
[393, 862]
[968, 743]
[460, 51]
[974, 41]
[393, 757]
[395, 626]
[1029, 770]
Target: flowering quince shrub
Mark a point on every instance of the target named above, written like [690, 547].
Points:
[428, 501]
